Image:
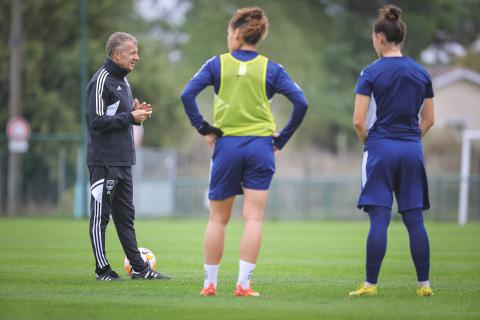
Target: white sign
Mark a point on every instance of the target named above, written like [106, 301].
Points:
[18, 132]
[18, 146]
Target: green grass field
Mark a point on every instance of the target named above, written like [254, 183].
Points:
[305, 271]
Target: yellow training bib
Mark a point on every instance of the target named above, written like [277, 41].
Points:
[241, 107]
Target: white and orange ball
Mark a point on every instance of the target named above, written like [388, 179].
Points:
[147, 256]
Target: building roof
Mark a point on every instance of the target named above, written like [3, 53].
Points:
[455, 75]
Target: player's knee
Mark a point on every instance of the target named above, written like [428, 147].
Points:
[219, 218]
[256, 216]
[412, 218]
[379, 216]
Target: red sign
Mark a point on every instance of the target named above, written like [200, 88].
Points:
[18, 132]
[18, 128]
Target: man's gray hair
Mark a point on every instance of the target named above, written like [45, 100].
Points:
[117, 40]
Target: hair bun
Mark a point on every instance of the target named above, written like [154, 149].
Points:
[253, 23]
[390, 23]
[256, 14]
[392, 13]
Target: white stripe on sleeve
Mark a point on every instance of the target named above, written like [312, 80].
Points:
[99, 91]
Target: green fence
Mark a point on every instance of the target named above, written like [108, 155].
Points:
[328, 198]
[49, 173]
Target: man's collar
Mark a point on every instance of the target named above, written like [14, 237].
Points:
[114, 69]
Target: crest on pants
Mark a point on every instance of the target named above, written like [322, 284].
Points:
[109, 185]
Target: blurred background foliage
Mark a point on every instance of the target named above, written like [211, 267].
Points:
[323, 44]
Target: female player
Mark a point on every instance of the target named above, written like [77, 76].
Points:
[390, 95]
[244, 138]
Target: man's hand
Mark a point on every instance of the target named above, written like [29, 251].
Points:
[141, 111]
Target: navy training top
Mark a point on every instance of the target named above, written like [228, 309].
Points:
[397, 87]
[278, 81]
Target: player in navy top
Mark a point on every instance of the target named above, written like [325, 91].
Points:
[393, 110]
[243, 159]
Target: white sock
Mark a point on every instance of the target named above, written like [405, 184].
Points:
[245, 273]
[211, 274]
[423, 284]
[368, 284]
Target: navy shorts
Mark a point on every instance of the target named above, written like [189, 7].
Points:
[241, 162]
[394, 167]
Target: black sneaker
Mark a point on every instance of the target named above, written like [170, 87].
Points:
[107, 274]
[148, 274]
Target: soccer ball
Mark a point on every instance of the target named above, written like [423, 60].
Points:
[147, 256]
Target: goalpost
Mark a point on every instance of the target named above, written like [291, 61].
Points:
[467, 137]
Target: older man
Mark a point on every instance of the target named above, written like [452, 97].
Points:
[111, 153]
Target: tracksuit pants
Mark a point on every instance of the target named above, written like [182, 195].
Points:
[111, 190]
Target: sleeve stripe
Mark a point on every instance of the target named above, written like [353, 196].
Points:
[96, 90]
[99, 91]
[102, 112]
[97, 96]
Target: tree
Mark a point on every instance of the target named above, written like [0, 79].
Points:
[50, 78]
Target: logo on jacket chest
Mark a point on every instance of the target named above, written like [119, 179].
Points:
[122, 95]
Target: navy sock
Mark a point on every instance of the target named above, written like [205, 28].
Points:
[377, 240]
[419, 245]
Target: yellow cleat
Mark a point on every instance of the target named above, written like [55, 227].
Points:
[364, 290]
[424, 292]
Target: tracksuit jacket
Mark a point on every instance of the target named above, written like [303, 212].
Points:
[109, 118]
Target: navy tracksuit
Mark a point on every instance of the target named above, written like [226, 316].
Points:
[111, 154]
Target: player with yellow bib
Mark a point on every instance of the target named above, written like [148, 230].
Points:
[244, 137]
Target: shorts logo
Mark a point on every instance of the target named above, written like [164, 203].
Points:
[109, 185]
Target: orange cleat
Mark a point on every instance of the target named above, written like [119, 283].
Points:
[240, 292]
[210, 291]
